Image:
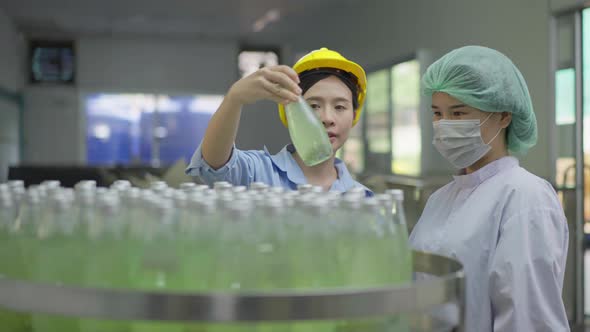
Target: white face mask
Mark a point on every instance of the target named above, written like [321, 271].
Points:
[460, 141]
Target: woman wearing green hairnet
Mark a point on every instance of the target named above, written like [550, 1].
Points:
[503, 223]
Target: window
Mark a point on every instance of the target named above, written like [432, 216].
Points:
[565, 97]
[405, 128]
[353, 151]
[565, 104]
[392, 127]
[378, 109]
[144, 129]
[569, 145]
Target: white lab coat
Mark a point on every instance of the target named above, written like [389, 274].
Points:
[508, 229]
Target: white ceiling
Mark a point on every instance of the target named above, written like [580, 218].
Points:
[169, 18]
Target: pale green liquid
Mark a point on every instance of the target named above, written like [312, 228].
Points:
[406, 254]
[308, 134]
[59, 261]
[155, 265]
[109, 269]
[197, 265]
[298, 267]
[378, 261]
[404, 268]
[11, 267]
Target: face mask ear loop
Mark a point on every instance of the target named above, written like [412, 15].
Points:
[484, 121]
[498, 133]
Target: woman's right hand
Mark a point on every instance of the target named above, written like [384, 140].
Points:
[276, 83]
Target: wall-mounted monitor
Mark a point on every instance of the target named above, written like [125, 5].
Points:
[52, 62]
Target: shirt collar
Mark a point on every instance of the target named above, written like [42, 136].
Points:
[476, 178]
[343, 175]
[285, 162]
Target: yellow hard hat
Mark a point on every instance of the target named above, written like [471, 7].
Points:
[325, 58]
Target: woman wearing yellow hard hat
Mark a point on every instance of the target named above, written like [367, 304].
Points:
[332, 85]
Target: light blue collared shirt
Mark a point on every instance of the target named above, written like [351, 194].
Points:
[279, 170]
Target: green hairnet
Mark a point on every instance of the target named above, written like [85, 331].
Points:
[486, 79]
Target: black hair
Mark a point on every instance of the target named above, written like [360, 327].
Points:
[310, 77]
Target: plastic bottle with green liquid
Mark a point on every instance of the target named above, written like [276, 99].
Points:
[307, 133]
[10, 261]
[154, 261]
[58, 258]
[399, 222]
[102, 229]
